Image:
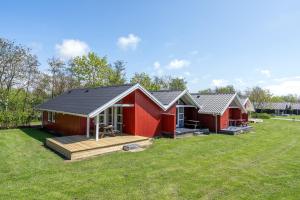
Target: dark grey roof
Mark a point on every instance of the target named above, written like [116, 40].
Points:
[213, 103]
[249, 106]
[243, 100]
[83, 101]
[273, 106]
[166, 96]
[296, 106]
[279, 106]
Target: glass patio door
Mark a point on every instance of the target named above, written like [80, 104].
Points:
[180, 117]
[118, 118]
[113, 116]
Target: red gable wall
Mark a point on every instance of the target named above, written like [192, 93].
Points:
[145, 118]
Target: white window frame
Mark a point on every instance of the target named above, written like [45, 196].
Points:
[51, 117]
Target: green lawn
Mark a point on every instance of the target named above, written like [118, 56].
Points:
[264, 164]
[289, 117]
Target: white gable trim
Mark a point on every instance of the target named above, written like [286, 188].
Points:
[124, 94]
[235, 96]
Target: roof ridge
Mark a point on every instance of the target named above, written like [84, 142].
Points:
[166, 90]
[88, 88]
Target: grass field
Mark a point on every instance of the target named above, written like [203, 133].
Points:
[264, 164]
[289, 117]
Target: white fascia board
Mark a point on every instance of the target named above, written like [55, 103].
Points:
[241, 104]
[228, 104]
[67, 113]
[185, 92]
[121, 96]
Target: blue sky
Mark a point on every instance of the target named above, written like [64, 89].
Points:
[209, 43]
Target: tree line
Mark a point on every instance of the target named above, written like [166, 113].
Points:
[23, 85]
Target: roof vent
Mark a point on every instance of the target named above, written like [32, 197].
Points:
[198, 96]
[86, 91]
[69, 91]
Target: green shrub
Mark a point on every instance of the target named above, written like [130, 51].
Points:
[261, 115]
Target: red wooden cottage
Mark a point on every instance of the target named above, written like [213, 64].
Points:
[248, 106]
[218, 112]
[131, 109]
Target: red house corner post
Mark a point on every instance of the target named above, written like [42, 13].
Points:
[216, 123]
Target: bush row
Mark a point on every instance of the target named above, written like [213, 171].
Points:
[261, 115]
[14, 119]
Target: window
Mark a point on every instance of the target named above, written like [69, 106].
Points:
[51, 117]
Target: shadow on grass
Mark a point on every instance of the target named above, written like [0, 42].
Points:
[37, 134]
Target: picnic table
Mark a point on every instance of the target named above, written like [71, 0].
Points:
[193, 123]
[235, 122]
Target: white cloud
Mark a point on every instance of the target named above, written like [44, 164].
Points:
[178, 64]
[285, 87]
[71, 48]
[219, 82]
[240, 81]
[265, 72]
[128, 42]
[187, 73]
[157, 67]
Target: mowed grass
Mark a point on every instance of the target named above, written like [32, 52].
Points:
[264, 164]
[289, 117]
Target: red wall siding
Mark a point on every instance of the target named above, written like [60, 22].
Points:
[168, 123]
[245, 117]
[148, 116]
[65, 124]
[208, 120]
[224, 120]
[129, 115]
[235, 113]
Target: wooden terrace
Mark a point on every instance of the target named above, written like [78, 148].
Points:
[79, 146]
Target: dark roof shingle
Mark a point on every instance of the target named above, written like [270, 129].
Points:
[83, 101]
[166, 96]
[213, 103]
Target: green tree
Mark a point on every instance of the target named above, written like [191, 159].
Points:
[177, 84]
[118, 75]
[206, 91]
[225, 90]
[144, 80]
[91, 70]
[258, 96]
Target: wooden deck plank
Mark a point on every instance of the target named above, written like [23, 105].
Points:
[80, 145]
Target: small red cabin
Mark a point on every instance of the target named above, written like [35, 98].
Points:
[130, 109]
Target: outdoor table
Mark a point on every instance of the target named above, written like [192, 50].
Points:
[193, 123]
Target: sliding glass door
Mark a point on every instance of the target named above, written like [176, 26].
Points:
[180, 117]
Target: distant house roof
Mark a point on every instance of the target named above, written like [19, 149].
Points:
[280, 106]
[169, 97]
[91, 101]
[217, 103]
[165, 96]
[295, 106]
[247, 104]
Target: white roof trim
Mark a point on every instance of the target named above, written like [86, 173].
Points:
[185, 92]
[124, 94]
[67, 113]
